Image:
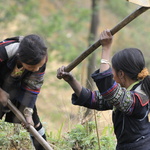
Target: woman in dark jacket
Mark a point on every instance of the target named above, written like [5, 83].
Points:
[22, 68]
[124, 88]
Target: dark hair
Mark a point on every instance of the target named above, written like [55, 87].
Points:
[31, 50]
[132, 62]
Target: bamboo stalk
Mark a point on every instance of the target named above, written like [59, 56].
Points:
[31, 129]
[114, 30]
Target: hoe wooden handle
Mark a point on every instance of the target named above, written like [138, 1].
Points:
[114, 30]
[31, 129]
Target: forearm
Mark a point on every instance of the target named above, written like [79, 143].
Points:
[76, 86]
[4, 96]
[106, 57]
[106, 41]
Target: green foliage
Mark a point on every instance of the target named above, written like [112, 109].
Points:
[12, 8]
[58, 141]
[65, 31]
[11, 140]
[84, 137]
[80, 137]
[52, 24]
[108, 139]
[60, 28]
[79, 18]
[8, 13]
[119, 7]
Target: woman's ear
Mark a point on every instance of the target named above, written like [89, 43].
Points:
[121, 74]
[122, 78]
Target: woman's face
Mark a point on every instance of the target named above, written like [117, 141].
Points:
[34, 68]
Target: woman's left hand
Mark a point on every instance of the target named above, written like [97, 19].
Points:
[106, 39]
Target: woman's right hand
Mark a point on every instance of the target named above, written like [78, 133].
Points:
[68, 77]
[4, 96]
[65, 75]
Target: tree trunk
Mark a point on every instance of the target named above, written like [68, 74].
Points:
[92, 59]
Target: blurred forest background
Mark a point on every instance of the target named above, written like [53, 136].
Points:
[65, 26]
